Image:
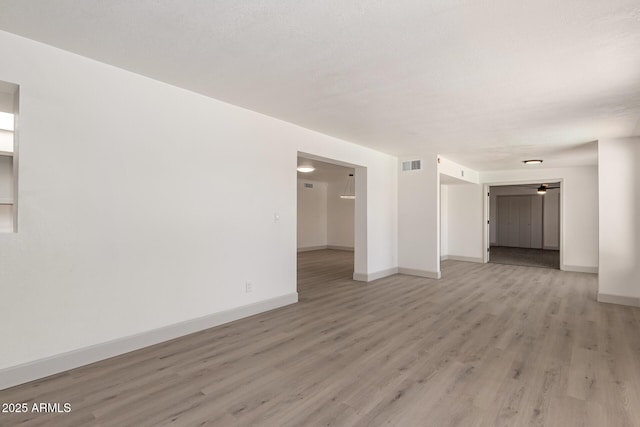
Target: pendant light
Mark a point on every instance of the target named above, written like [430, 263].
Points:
[349, 188]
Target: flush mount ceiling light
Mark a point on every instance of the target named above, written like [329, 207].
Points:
[532, 162]
[306, 169]
[349, 188]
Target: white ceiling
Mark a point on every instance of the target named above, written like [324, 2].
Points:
[484, 83]
[324, 172]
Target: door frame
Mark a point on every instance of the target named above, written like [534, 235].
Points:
[360, 223]
[486, 214]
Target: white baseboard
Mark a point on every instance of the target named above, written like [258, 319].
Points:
[320, 248]
[312, 248]
[364, 277]
[41, 368]
[420, 273]
[462, 258]
[619, 299]
[579, 269]
[340, 248]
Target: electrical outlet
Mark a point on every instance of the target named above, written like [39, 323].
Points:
[248, 287]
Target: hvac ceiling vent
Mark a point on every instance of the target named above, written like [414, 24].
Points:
[307, 185]
[411, 165]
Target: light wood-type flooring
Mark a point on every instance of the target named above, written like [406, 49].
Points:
[487, 345]
[525, 256]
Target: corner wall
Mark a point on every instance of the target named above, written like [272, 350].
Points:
[312, 215]
[464, 222]
[340, 218]
[419, 219]
[324, 219]
[143, 206]
[444, 221]
[619, 207]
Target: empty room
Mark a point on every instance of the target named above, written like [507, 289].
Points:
[234, 213]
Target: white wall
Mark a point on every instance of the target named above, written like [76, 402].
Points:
[324, 219]
[6, 179]
[444, 221]
[579, 217]
[464, 222]
[619, 188]
[419, 218]
[143, 205]
[6, 194]
[6, 101]
[551, 212]
[458, 171]
[340, 217]
[6, 141]
[551, 215]
[312, 214]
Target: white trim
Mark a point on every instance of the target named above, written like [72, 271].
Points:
[369, 277]
[420, 273]
[463, 258]
[340, 248]
[486, 214]
[579, 269]
[312, 248]
[41, 368]
[323, 247]
[619, 299]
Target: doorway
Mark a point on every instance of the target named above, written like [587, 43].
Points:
[326, 224]
[524, 224]
[9, 94]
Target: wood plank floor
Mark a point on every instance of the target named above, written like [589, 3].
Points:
[528, 257]
[488, 345]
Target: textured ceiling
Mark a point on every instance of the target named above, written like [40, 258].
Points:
[485, 83]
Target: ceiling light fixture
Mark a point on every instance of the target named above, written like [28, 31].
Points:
[306, 169]
[532, 162]
[349, 188]
[542, 189]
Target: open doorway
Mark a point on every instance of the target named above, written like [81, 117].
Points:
[8, 157]
[524, 224]
[326, 229]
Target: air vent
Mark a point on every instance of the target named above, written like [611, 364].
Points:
[411, 165]
[307, 185]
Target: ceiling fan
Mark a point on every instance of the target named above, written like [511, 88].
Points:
[544, 187]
